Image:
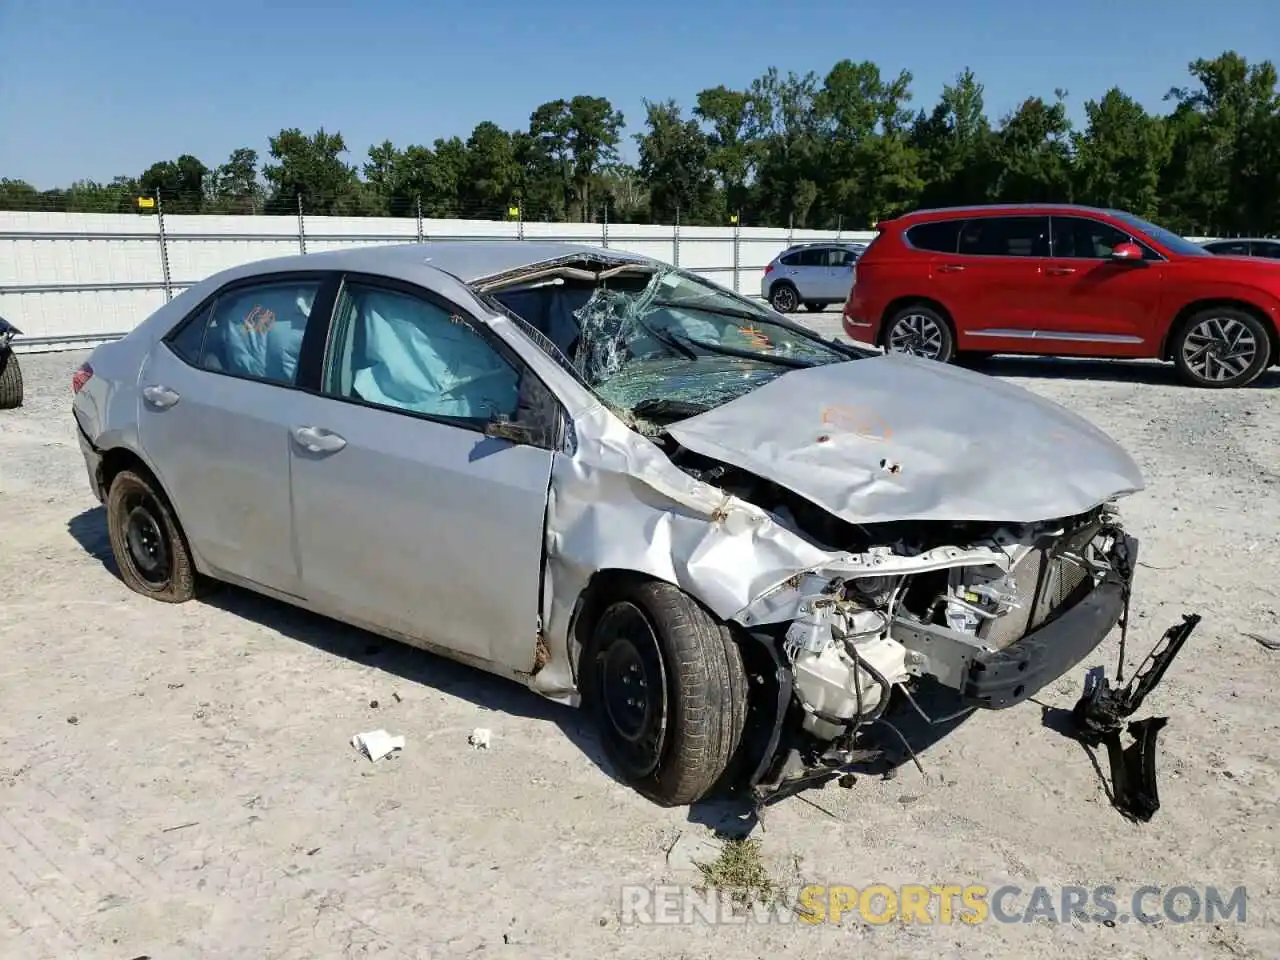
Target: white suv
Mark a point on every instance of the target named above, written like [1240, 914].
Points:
[815, 274]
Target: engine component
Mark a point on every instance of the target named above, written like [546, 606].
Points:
[831, 649]
[977, 594]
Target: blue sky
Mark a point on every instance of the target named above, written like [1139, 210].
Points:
[94, 89]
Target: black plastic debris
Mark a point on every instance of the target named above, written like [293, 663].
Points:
[1101, 715]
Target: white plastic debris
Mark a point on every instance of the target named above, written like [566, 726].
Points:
[479, 738]
[376, 744]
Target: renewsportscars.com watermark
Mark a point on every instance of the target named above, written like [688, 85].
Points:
[939, 904]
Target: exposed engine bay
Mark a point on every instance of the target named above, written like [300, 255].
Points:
[952, 595]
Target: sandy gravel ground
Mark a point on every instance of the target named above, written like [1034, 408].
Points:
[177, 782]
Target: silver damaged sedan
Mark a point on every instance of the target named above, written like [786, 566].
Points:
[742, 547]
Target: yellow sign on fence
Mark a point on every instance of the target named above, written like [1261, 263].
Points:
[146, 203]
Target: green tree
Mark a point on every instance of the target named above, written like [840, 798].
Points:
[311, 167]
[1119, 156]
[234, 184]
[180, 184]
[956, 145]
[492, 180]
[1033, 153]
[673, 162]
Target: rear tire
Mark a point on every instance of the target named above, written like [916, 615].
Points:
[10, 382]
[921, 332]
[1221, 347]
[784, 298]
[665, 684]
[149, 547]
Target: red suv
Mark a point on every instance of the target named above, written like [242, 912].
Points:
[1064, 280]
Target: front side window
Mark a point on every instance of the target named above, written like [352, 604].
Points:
[1268, 249]
[409, 353]
[252, 330]
[1005, 237]
[839, 257]
[1083, 238]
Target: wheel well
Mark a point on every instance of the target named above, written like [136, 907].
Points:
[913, 301]
[1191, 309]
[122, 458]
[782, 283]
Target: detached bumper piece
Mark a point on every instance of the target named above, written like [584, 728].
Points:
[1102, 711]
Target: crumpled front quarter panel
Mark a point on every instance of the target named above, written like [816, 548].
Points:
[618, 503]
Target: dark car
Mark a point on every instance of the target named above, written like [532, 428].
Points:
[1245, 247]
[1063, 280]
[10, 372]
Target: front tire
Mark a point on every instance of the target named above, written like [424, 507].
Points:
[665, 684]
[10, 382]
[784, 298]
[1221, 347]
[921, 332]
[149, 547]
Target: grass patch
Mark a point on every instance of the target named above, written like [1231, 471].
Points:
[740, 872]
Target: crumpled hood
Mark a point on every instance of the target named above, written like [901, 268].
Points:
[899, 438]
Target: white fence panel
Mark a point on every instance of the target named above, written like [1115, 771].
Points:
[69, 279]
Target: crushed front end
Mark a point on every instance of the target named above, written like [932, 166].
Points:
[994, 618]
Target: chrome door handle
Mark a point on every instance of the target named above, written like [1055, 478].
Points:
[160, 396]
[1060, 271]
[317, 440]
[951, 268]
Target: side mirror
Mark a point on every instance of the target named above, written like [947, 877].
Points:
[1126, 251]
[502, 428]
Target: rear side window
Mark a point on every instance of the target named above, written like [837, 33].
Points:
[940, 237]
[251, 331]
[807, 258]
[1005, 237]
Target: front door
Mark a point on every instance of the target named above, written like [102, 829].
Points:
[216, 402]
[1096, 305]
[408, 516]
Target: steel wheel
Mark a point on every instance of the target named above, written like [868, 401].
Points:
[146, 540]
[1219, 349]
[919, 334]
[632, 689]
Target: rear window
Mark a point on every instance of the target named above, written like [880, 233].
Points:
[940, 237]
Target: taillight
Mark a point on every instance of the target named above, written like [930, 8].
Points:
[81, 377]
[768, 270]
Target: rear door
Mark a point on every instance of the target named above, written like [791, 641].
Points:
[840, 265]
[408, 517]
[992, 283]
[1097, 305]
[217, 397]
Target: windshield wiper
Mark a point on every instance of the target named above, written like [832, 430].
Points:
[775, 358]
[655, 408]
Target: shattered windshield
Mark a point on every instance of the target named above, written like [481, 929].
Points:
[673, 342]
